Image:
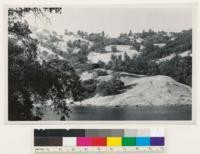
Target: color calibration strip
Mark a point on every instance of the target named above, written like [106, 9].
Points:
[99, 139]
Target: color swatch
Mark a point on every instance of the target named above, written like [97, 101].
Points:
[114, 141]
[99, 137]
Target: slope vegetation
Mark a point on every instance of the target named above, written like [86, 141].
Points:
[147, 91]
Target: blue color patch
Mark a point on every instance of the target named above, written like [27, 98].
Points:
[143, 141]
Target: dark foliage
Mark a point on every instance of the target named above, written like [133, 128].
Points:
[31, 82]
[113, 48]
[101, 73]
[88, 88]
[110, 87]
[179, 68]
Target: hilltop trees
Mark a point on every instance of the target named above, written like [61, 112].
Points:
[178, 67]
[130, 33]
[83, 52]
[136, 45]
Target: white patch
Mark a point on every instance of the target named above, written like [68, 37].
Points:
[167, 58]
[171, 56]
[126, 48]
[173, 38]
[159, 44]
[86, 76]
[106, 57]
[186, 53]
[72, 38]
[139, 40]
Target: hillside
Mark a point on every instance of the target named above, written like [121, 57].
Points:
[187, 53]
[106, 57]
[164, 45]
[147, 91]
[52, 45]
[143, 61]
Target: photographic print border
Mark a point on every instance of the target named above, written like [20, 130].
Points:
[194, 88]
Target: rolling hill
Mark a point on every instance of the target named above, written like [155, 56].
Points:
[146, 91]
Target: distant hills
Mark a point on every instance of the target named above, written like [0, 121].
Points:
[147, 63]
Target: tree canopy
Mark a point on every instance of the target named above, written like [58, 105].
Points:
[31, 83]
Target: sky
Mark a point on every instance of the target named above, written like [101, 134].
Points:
[115, 20]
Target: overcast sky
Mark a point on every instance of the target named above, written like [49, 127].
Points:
[114, 20]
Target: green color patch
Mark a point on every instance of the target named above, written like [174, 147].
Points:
[128, 141]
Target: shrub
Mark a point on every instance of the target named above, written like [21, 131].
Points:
[101, 73]
[113, 48]
[88, 88]
[110, 87]
[101, 64]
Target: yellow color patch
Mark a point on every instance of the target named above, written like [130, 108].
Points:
[114, 141]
